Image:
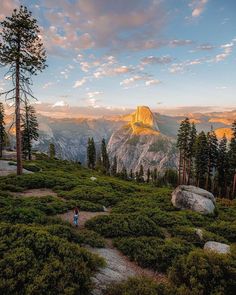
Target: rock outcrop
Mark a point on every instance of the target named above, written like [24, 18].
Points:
[217, 247]
[193, 198]
[139, 142]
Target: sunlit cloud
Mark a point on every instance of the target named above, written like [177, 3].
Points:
[198, 7]
[79, 83]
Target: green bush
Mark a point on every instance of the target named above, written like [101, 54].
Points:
[151, 252]
[71, 234]
[190, 235]
[225, 229]
[139, 286]
[119, 225]
[205, 273]
[34, 262]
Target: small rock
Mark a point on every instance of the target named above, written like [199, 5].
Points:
[199, 233]
[93, 178]
[217, 247]
[189, 197]
[105, 209]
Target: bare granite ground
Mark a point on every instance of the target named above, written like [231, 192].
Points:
[6, 168]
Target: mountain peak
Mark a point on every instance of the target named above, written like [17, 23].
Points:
[144, 121]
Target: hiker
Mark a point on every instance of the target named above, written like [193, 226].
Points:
[76, 216]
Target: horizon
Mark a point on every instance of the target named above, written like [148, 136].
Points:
[117, 55]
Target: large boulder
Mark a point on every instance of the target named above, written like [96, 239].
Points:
[189, 197]
[217, 247]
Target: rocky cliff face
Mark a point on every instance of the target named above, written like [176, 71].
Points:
[140, 142]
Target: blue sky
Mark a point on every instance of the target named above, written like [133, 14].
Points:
[119, 53]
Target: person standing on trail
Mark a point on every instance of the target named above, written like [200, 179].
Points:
[76, 216]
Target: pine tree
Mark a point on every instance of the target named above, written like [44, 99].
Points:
[104, 157]
[232, 159]
[123, 174]
[91, 153]
[131, 174]
[183, 139]
[201, 158]
[191, 151]
[212, 157]
[114, 167]
[148, 175]
[21, 50]
[141, 174]
[29, 130]
[154, 175]
[52, 151]
[2, 129]
[222, 166]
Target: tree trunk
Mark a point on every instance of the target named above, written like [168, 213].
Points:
[234, 185]
[180, 162]
[18, 127]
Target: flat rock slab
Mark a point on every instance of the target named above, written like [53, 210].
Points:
[118, 268]
[6, 168]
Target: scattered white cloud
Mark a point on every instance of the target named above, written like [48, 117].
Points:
[48, 84]
[60, 103]
[197, 7]
[93, 94]
[227, 50]
[156, 60]
[152, 82]
[79, 83]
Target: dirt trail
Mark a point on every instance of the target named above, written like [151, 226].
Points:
[118, 266]
[37, 192]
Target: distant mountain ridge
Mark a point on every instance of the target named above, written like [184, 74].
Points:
[70, 135]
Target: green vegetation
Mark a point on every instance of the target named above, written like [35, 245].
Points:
[139, 286]
[143, 225]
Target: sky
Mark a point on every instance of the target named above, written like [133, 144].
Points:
[117, 54]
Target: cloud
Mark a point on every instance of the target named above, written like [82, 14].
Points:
[221, 87]
[152, 82]
[48, 84]
[93, 94]
[183, 66]
[206, 47]
[198, 7]
[60, 103]
[132, 81]
[79, 83]
[156, 60]
[227, 50]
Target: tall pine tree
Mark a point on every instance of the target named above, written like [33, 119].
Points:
[29, 130]
[191, 151]
[21, 50]
[52, 151]
[114, 167]
[232, 159]
[91, 153]
[2, 129]
[222, 166]
[183, 139]
[201, 159]
[212, 142]
[104, 157]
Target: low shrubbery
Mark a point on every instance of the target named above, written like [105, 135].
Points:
[202, 273]
[154, 253]
[32, 261]
[225, 229]
[139, 286]
[120, 225]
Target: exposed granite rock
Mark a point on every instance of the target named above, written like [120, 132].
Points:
[193, 198]
[217, 247]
